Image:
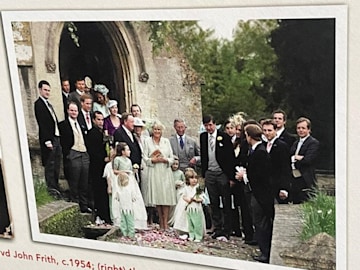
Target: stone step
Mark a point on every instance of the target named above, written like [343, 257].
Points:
[286, 230]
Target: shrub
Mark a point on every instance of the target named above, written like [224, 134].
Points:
[68, 222]
[318, 216]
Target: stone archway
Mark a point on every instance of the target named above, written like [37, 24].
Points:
[93, 57]
[102, 54]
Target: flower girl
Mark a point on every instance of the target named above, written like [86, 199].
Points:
[189, 216]
[122, 179]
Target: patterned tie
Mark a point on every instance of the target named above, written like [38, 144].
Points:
[211, 142]
[181, 142]
[57, 132]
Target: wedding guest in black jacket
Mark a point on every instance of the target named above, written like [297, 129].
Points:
[262, 198]
[279, 117]
[303, 156]
[98, 158]
[218, 169]
[280, 165]
[125, 134]
[74, 148]
[48, 138]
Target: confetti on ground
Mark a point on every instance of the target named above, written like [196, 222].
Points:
[235, 248]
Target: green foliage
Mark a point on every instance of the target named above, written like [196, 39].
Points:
[235, 75]
[187, 35]
[306, 60]
[318, 215]
[68, 222]
[41, 194]
[269, 64]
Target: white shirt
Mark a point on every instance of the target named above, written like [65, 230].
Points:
[268, 148]
[279, 131]
[253, 147]
[128, 132]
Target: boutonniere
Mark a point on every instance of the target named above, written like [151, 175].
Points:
[221, 145]
[219, 138]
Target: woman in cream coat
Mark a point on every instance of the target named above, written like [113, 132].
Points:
[158, 157]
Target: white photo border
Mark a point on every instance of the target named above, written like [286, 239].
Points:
[338, 12]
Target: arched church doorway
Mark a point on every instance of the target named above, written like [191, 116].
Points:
[94, 55]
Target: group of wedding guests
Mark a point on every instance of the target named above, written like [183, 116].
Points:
[114, 167]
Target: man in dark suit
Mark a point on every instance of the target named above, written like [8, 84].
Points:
[218, 169]
[262, 197]
[85, 117]
[280, 165]
[125, 134]
[79, 91]
[48, 138]
[98, 157]
[74, 149]
[184, 147]
[279, 117]
[65, 86]
[303, 155]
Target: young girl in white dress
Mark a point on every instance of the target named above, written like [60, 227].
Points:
[189, 216]
[179, 178]
[121, 166]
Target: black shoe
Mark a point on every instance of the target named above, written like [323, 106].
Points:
[216, 234]
[55, 193]
[237, 233]
[86, 210]
[262, 258]
[251, 242]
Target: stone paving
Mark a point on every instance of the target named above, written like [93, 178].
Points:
[287, 226]
[50, 209]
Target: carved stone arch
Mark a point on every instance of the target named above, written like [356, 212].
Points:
[52, 41]
[123, 64]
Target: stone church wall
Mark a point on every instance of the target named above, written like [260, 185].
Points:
[170, 92]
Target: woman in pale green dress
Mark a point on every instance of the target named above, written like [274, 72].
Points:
[158, 157]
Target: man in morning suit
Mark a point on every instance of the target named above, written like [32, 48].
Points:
[280, 165]
[184, 147]
[48, 138]
[125, 134]
[262, 197]
[303, 155]
[98, 157]
[218, 169]
[74, 149]
[79, 91]
[85, 117]
[279, 117]
[65, 87]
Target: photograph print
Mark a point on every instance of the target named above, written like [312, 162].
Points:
[173, 135]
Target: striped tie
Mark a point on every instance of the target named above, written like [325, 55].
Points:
[211, 142]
